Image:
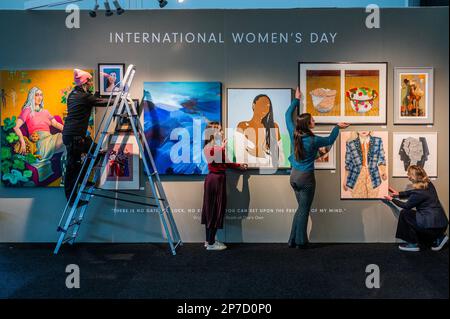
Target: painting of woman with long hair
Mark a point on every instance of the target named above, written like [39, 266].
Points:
[258, 141]
[38, 123]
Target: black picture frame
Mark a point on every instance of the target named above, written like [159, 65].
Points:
[100, 77]
[382, 123]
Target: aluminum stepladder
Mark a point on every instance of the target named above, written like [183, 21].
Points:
[72, 216]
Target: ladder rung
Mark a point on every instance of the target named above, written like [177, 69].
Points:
[68, 239]
[122, 200]
[126, 193]
[75, 222]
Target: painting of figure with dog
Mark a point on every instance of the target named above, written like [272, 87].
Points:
[413, 96]
[34, 105]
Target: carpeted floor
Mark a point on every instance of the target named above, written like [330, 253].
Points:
[242, 271]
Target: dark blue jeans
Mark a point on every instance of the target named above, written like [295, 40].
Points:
[304, 185]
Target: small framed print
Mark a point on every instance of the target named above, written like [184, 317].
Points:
[326, 156]
[415, 148]
[121, 163]
[109, 77]
[413, 95]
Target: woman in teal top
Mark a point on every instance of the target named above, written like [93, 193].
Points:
[306, 146]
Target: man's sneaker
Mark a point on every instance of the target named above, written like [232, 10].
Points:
[409, 247]
[440, 243]
[216, 247]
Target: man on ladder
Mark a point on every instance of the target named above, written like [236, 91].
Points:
[80, 103]
[79, 190]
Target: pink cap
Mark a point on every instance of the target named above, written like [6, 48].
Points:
[81, 77]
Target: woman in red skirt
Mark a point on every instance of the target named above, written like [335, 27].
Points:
[215, 190]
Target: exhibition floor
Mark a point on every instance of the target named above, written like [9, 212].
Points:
[242, 271]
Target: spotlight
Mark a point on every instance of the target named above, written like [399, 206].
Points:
[108, 11]
[93, 12]
[119, 10]
[162, 3]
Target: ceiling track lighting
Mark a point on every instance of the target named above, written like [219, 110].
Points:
[108, 11]
[119, 9]
[93, 12]
[162, 3]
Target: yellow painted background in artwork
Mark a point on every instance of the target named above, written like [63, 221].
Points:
[371, 82]
[327, 82]
[51, 82]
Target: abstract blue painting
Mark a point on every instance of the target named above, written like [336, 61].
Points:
[175, 115]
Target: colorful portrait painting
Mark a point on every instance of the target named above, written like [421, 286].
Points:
[33, 111]
[364, 165]
[175, 115]
[109, 76]
[419, 148]
[121, 163]
[326, 157]
[413, 90]
[256, 128]
[344, 92]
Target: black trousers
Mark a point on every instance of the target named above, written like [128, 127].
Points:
[409, 231]
[76, 146]
[211, 235]
[304, 185]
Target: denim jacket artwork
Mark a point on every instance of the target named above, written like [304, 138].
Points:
[354, 158]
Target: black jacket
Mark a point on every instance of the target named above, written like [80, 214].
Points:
[430, 213]
[79, 108]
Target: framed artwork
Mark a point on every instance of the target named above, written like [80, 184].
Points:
[364, 165]
[413, 96]
[125, 123]
[344, 92]
[33, 111]
[174, 116]
[109, 77]
[121, 163]
[415, 149]
[326, 157]
[256, 129]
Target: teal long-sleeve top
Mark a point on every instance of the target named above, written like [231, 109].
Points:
[311, 144]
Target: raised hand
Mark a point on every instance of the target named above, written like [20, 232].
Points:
[298, 93]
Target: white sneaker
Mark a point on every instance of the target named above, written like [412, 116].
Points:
[409, 247]
[221, 244]
[216, 247]
[440, 244]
